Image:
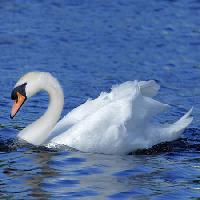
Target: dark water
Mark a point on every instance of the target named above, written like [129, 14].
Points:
[89, 46]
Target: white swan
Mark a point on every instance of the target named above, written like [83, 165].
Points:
[114, 123]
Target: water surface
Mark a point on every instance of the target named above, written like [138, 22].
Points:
[89, 46]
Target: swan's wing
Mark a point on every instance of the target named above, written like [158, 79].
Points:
[80, 113]
[126, 89]
[91, 106]
[147, 88]
[110, 128]
[102, 131]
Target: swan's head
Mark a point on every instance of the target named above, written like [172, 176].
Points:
[26, 87]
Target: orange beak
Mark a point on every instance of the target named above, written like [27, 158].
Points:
[17, 104]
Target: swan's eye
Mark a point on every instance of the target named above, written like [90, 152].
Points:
[19, 89]
[14, 96]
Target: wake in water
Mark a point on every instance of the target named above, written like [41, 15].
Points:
[190, 143]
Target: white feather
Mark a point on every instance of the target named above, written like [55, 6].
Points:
[117, 122]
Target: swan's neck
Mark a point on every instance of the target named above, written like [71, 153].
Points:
[39, 131]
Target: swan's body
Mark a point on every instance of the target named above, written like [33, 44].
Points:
[115, 123]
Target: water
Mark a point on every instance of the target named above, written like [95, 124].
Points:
[89, 46]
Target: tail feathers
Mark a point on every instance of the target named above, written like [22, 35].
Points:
[175, 130]
[184, 121]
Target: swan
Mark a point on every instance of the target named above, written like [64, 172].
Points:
[117, 122]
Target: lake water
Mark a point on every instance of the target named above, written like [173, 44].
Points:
[89, 46]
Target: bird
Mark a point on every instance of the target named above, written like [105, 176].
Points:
[116, 122]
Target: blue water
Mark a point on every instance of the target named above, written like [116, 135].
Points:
[89, 46]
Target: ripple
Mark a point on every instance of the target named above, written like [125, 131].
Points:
[90, 45]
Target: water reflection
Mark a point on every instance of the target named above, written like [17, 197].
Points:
[41, 159]
[27, 171]
[44, 173]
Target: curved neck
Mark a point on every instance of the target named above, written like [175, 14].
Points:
[39, 131]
